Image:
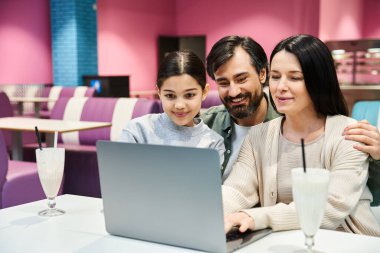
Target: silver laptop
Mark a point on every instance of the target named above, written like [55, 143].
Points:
[165, 194]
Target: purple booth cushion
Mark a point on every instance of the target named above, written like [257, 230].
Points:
[7, 111]
[90, 92]
[3, 165]
[81, 167]
[19, 181]
[67, 92]
[22, 184]
[45, 93]
[98, 109]
[144, 106]
[212, 99]
[64, 92]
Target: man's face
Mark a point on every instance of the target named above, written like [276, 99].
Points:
[240, 87]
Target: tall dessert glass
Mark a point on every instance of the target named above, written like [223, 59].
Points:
[310, 194]
[50, 163]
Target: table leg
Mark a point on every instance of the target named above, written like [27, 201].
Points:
[37, 109]
[20, 108]
[49, 139]
[17, 153]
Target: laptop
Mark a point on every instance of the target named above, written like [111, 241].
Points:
[165, 194]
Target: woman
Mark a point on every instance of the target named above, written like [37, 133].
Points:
[304, 88]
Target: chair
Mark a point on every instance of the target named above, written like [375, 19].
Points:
[370, 110]
[212, 99]
[367, 110]
[30, 91]
[57, 92]
[81, 165]
[23, 90]
[6, 110]
[19, 182]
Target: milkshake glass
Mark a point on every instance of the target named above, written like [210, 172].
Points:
[310, 190]
[50, 163]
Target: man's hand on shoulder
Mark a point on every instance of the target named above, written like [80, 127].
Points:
[368, 135]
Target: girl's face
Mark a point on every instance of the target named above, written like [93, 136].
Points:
[181, 98]
[287, 85]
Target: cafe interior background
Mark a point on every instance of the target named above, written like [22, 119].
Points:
[60, 42]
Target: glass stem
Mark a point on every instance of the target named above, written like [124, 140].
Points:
[309, 242]
[51, 202]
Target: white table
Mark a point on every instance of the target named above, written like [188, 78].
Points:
[35, 100]
[48, 126]
[82, 230]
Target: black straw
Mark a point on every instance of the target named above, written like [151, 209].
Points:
[303, 155]
[38, 137]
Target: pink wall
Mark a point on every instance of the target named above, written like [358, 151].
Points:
[267, 22]
[371, 14]
[128, 32]
[25, 44]
[341, 19]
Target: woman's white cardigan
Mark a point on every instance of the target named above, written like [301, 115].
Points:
[253, 181]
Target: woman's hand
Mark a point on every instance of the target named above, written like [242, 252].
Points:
[367, 134]
[241, 220]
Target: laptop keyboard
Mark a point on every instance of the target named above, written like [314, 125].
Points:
[236, 240]
[235, 234]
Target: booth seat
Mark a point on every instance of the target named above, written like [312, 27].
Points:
[56, 92]
[212, 99]
[81, 166]
[23, 90]
[19, 181]
[6, 110]
[369, 110]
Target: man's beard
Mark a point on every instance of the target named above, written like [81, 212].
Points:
[244, 111]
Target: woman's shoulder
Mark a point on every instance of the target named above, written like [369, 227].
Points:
[340, 119]
[337, 123]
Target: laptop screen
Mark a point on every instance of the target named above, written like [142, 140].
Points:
[164, 194]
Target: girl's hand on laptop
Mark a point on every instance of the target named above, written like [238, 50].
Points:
[367, 134]
[240, 219]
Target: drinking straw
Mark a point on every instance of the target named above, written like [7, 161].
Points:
[55, 139]
[38, 137]
[303, 155]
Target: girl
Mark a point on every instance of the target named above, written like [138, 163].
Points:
[181, 84]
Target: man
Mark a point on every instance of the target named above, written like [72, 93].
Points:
[239, 66]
